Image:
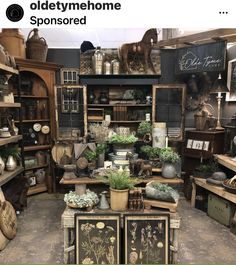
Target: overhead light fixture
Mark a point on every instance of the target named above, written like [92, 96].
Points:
[218, 87]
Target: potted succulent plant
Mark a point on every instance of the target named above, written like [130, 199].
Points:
[170, 162]
[120, 183]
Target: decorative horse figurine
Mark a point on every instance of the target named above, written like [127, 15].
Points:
[142, 47]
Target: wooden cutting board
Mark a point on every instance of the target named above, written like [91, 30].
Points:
[8, 220]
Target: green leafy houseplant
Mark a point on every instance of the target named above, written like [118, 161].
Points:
[144, 128]
[101, 148]
[167, 155]
[118, 180]
[8, 150]
[90, 155]
[151, 152]
[123, 139]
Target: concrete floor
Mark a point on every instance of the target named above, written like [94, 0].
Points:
[39, 237]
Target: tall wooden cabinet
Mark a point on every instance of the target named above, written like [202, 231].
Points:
[38, 118]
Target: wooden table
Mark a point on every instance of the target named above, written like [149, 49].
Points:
[67, 222]
[81, 182]
[226, 161]
[220, 191]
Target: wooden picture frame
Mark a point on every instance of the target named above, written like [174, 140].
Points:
[231, 81]
[146, 238]
[97, 238]
[168, 105]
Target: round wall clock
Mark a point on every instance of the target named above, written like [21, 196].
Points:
[45, 129]
[37, 127]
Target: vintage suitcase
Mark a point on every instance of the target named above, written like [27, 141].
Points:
[220, 209]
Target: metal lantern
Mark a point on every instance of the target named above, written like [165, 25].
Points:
[230, 137]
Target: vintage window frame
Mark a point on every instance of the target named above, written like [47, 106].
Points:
[129, 241]
[229, 78]
[182, 88]
[81, 218]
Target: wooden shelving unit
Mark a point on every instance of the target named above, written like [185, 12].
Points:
[6, 176]
[38, 92]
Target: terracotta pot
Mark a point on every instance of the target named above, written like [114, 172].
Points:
[119, 199]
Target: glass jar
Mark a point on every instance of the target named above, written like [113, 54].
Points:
[98, 58]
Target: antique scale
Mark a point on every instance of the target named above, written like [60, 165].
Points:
[230, 138]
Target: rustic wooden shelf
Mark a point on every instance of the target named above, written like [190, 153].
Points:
[9, 105]
[126, 121]
[32, 97]
[36, 147]
[220, 191]
[8, 175]
[8, 69]
[30, 121]
[12, 139]
[226, 161]
[87, 180]
[119, 104]
[37, 189]
[36, 167]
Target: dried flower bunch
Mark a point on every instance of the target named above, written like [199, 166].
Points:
[100, 131]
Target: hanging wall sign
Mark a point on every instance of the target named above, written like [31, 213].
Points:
[201, 58]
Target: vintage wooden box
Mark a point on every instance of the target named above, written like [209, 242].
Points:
[220, 209]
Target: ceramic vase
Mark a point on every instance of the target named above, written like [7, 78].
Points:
[11, 163]
[169, 170]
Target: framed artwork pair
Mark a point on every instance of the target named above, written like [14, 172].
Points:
[144, 240]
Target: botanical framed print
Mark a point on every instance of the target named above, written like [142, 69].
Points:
[146, 238]
[197, 145]
[231, 81]
[189, 143]
[97, 238]
[206, 145]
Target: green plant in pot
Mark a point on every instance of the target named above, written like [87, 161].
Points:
[100, 151]
[170, 162]
[144, 131]
[91, 156]
[120, 183]
[152, 154]
[206, 170]
[123, 142]
[10, 154]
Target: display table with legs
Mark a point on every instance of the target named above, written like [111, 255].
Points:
[68, 225]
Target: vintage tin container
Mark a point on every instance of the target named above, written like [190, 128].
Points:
[220, 209]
